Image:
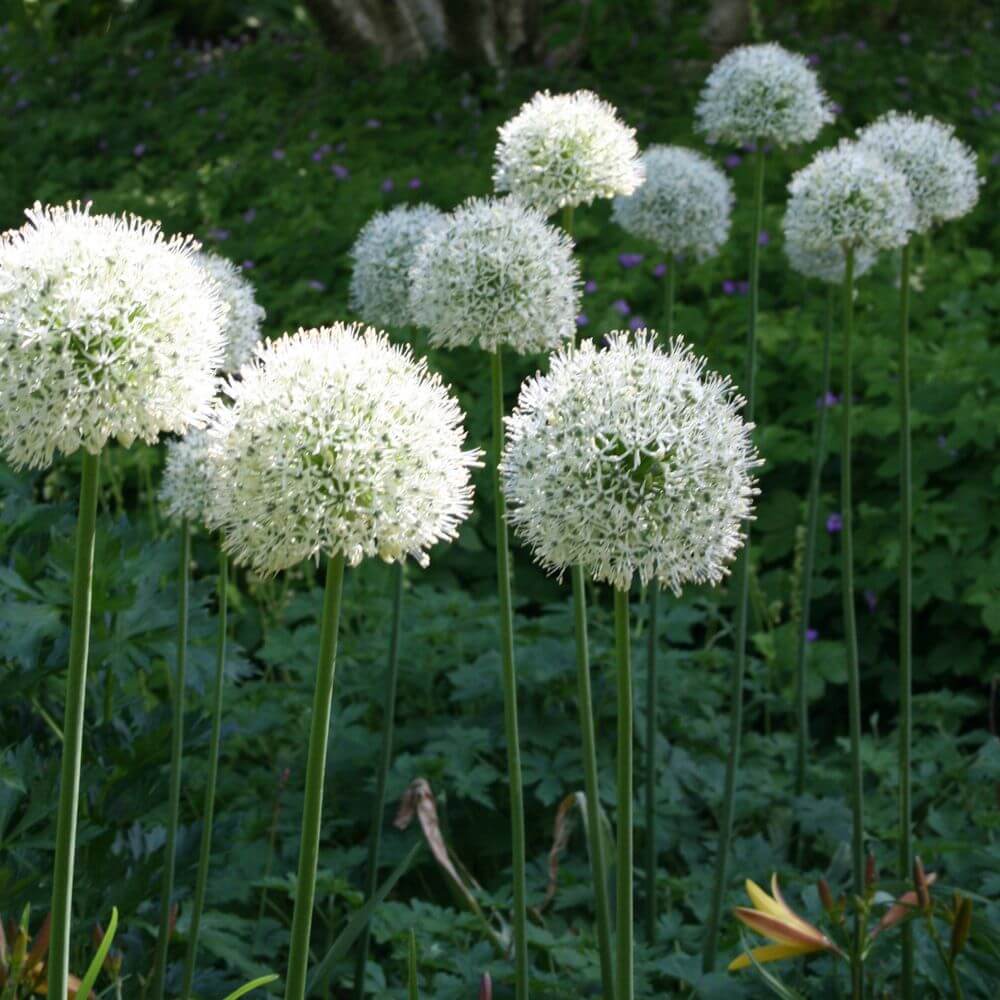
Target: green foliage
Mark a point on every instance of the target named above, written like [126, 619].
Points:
[247, 146]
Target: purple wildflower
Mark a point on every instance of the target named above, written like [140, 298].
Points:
[139, 149]
[728, 287]
[590, 287]
[582, 319]
[834, 524]
[277, 154]
[339, 171]
[636, 323]
[621, 306]
[249, 215]
[733, 160]
[387, 185]
[763, 238]
[630, 260]
[414, 183]
[316, 286]
[659, 271]
[811, 635]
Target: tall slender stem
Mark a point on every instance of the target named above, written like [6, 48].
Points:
[591, 784]
[625, 987]
[742, 592]
[905, 611]
[385, 760]
[812, 517]
[652, 683]
[73, 721]
[205, 852]
[510, 697]
[850, 626]
[412, 987]
[176, 756]
[312, 810]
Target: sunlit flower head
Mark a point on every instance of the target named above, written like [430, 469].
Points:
[383, 254]
[826, 265]
[773, 918]
[497, 275]
[337, 442]
[762, 93]
[565, 150]
[939, 168]
[630, 461]
[108, 331]
[684, 205]
[186, 487]
[848, 197]
[244, 315]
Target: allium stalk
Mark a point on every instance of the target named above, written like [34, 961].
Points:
[382, 777]
[741, 588]
[158, 981]
[591, 784]
[625, 977]
[208, 810]
[73, 720]
[509, 681]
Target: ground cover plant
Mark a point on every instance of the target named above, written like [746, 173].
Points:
[276, 154]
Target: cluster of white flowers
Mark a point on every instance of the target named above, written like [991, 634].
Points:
[827, 264]
[848, 197]
[108, 330]
[566, 150]
[939, 168]
[337, 442]
[383, 255]
[684, 205]
[762, 93]
[244, 316]
[186, 487]
[630, 461]
[499, 275]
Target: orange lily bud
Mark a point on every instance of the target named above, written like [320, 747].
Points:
[962, 925]
[826, 897]
[921, 885]
[486, 987]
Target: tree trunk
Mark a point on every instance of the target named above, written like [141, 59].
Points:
[476, 30]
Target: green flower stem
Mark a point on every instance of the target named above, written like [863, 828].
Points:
[159, 976]
[669, 287]
[73, 720]
[312, 810]
[851, 630]
[625, 986]
[905, 612]
[205, 852]
[598, 861]
[412, 988]
[812, 517]
[385, 760]
[510, 697]
[741, 588]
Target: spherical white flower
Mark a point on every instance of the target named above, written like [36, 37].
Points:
[848, 197]
[186, 488]
[383, 255]
[566, 149]
[684, 205]
[337, 442]
[828, 264]
[499, 275]
[762, 93]
[244, 316]
[108, 330]
[939, 168]
[630, 461]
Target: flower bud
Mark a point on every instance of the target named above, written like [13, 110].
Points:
[826, 896]
[920, 884]
[962, 925]
[486, 987]
[871, 872]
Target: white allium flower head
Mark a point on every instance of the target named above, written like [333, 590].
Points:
[186, 488]
[848, 196]
[762, 93]
[108, 330]
[939, 168]
[337, 442]
[383, 255]
[828, 264]
[244, 316]
[566, 149]
[630, 460]
[684, 205]
[497, 275]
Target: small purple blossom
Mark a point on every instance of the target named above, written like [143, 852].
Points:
[829, 400]
[582, 319]
[811, 635]
[861, 45]
[414, 183]
[834, 524]
[630, 260]
[373, 123]
[636, 323]
[218, 234]
[590, 287]
[621, 306]
[728, 287]
[317, 155]
[733, 160]
[248, 265]
[316, 286]
[249, 215]
[133, 71]
[659, 271]
[763, 238]
[339, 171]
[277, 154]
[837, 109]
[387, 185]
[139, 150]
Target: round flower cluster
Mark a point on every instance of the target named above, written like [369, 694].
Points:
[383, 255]
[630, 461]
[848, 197]
[684, 205]
[939, 168]
[108, 330]
[566, 150]
[762, 93]
[499, 275]
[827, 264]
[242, 322]
[337, 442]
[186, 488]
